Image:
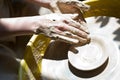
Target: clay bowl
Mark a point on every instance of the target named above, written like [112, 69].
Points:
[90, 56]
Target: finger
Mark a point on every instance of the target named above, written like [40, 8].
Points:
[65, 39]
[72, 49]
[82, 6]
[88, 40]
[53, 30]
[74, 30]
[77, 25]
[84, 26]
[68, 34]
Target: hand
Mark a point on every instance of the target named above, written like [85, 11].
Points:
[62, 27]
[68, 6]
[62, 6]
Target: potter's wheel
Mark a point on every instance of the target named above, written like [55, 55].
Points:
[106, 69]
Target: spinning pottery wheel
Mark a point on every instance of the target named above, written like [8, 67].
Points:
[98, 60]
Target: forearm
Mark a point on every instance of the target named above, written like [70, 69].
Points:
[42, 3]
[15, 27]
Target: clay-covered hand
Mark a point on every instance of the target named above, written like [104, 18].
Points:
[62, 27]
[68, 6]
[62, 6]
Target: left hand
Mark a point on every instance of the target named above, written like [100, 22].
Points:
[61, 27]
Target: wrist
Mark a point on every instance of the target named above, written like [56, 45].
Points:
[17, 26]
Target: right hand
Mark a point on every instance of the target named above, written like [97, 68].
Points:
[62, 27]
